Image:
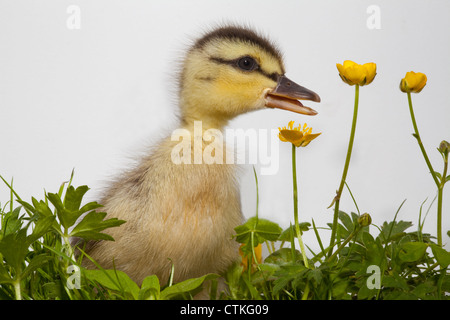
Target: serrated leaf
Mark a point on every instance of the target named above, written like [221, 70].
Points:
[74, 197]
[28, 207]
[41, 227]
[14, 248]
[12, 222]
[374, 250]
[42, 208]
[394, 230]
[90, 226]
[185, 286]
[346, 220]
[64, 215]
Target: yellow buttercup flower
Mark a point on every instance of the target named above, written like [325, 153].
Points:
[299, 136]
[413, 82]
[353, 73]
[245, 262]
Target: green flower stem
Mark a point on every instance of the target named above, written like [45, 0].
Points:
[297, 227]
[439, 184]
[419, 140]
[440, 198]
[17, 290]
[337, 199]
[343, 244]
[439, 217]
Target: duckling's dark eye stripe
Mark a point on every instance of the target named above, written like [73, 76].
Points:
[273, 76]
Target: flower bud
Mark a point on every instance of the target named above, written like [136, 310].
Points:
[413, 82]
[444, 148]
[364, 220]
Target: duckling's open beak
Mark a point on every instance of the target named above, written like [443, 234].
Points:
[286, 95]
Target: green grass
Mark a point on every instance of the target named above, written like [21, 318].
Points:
[37, 261]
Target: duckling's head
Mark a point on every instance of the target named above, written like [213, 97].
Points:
[233, 70]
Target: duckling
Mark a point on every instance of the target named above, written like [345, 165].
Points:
[185, 214]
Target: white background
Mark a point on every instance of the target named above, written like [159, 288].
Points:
[95, 97]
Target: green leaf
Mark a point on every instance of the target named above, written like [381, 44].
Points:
[35, 263]
[14, 249]
[290, 232]
[42, 208]
[286, 274]
[315, 274]
[89, 228]
[347, 221]
[12, 222]
[442, 256]
[114, 280]
[283, 256]
[69, 211]
[64, 215]
[73, 197]
[394, 281]
[41, 227]
[374, 250]
[186, 286]
[424, 290]
[262, 229]
[365, 293]
[398, 230]
[150, 288]
[412, 251]
[4, 275]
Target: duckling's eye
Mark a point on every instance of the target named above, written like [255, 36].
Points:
[247, 64]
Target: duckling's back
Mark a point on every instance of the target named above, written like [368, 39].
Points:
[183, 214]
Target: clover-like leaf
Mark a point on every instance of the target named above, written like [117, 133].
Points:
[262, 230]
